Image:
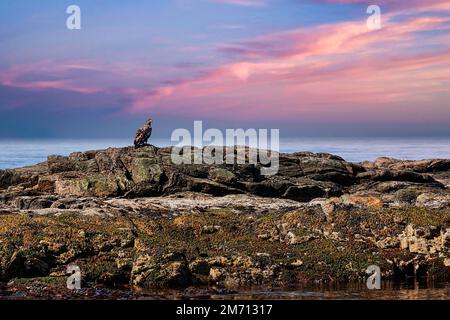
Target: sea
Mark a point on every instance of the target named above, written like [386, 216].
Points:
[18, 153]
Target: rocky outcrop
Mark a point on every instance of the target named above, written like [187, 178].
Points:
[131, 216]
[149, 171]
[192, 239]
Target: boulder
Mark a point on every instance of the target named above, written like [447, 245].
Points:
[223, 176]
[10, 178]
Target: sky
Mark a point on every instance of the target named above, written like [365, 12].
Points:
[309, 68]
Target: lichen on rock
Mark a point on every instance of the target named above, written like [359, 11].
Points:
[131, 217]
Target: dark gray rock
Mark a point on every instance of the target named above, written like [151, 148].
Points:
[149, 171]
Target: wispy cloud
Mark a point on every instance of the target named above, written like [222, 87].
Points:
[47, 75]
[335, 70]
[340, 70]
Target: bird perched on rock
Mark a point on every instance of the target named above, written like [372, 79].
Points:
[143, 134]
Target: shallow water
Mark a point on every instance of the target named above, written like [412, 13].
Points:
[406, 290]
[389, 291]
[18, 153]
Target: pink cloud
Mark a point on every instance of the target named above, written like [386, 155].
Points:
[16, 76]
[343, 71]
[79, 76]
[396, 4]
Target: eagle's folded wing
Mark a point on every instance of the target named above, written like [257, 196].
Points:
[140, 135]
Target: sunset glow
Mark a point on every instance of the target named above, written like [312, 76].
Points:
[312, 62]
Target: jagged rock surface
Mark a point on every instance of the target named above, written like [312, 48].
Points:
[130, 216]
[149, 171]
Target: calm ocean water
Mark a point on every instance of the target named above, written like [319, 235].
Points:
[18, 153]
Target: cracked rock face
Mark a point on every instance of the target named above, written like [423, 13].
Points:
[301, 177]
[130, 216]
